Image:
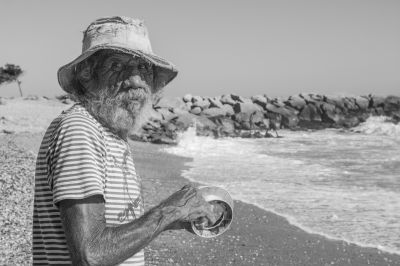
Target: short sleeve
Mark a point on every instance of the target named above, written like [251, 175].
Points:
[75, 159]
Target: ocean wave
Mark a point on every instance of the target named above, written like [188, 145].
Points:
[378, 125]
[336, 184]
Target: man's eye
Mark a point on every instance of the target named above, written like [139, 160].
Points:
[142, 67]
[116, 66]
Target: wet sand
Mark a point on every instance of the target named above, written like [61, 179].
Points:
[257, 237]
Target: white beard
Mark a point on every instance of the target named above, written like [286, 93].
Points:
[124, 113]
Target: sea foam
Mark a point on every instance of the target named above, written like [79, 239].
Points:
[340, 185]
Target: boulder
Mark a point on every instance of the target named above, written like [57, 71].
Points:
[377, 101]
[249, 108]
[197, 99]
[155, 115]
[184, 121]
[296, 102]
[310, 113]
[228, 109]
[203, 104]
[187, 98]
[392, 104]
[195, 110]
[307, 98]
[336, 101]
[237, 98]
[162, 138]
[227, 99]
[362, 102]
[214, 112]
[350, 104]
[166, 114]
[166, 102]
[260, 100]
[256, 118]
[330, 114]
[225, 127]
[288, 115]
[242, 121]
[215, 102]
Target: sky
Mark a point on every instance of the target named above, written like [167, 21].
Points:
[278, 48]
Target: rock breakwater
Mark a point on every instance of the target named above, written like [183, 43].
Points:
[232, 115]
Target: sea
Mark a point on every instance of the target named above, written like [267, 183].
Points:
[342, 184]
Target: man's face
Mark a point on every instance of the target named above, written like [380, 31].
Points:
[120, 91]
[123, 73]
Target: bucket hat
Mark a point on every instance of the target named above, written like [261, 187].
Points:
[122, 34]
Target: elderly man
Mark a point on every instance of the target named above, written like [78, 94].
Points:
[88, 207]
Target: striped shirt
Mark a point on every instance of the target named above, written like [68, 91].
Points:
[78, 158]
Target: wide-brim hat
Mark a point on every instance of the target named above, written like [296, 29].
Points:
[122, 34]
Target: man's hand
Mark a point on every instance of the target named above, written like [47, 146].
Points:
[187, 205]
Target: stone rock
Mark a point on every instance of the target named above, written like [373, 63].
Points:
[155, 115]
[307, 98]
[166, 102]
[377, 101]
[237, 98]
[392, 104]
[243, 121]
[197, 99]
[336, 101]
[310, 113]
[227, 99]
[349, 121]
[316, 97]
[166, 114]
[162, 139]
[288, 115]
[215, 102]
[214, 112]
[256, 118]
[184, 121]
[260, 100]
[203, 104]
[362, 102]
[329, 113]
[225, 127]
[378, 111]
[228, 109]
[296, 102]
[169, 126]
[187, 98]
[196, 110]
[350, 104]
[246, 107]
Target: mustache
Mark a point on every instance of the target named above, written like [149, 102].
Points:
[134, 84]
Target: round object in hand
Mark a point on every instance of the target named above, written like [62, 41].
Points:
[222, 203]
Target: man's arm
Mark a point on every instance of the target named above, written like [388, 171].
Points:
[91, 242]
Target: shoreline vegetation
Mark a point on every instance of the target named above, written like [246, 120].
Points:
[257, 237]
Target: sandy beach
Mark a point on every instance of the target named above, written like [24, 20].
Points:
[257, 237]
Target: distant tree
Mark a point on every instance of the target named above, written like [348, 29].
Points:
[11, 73]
